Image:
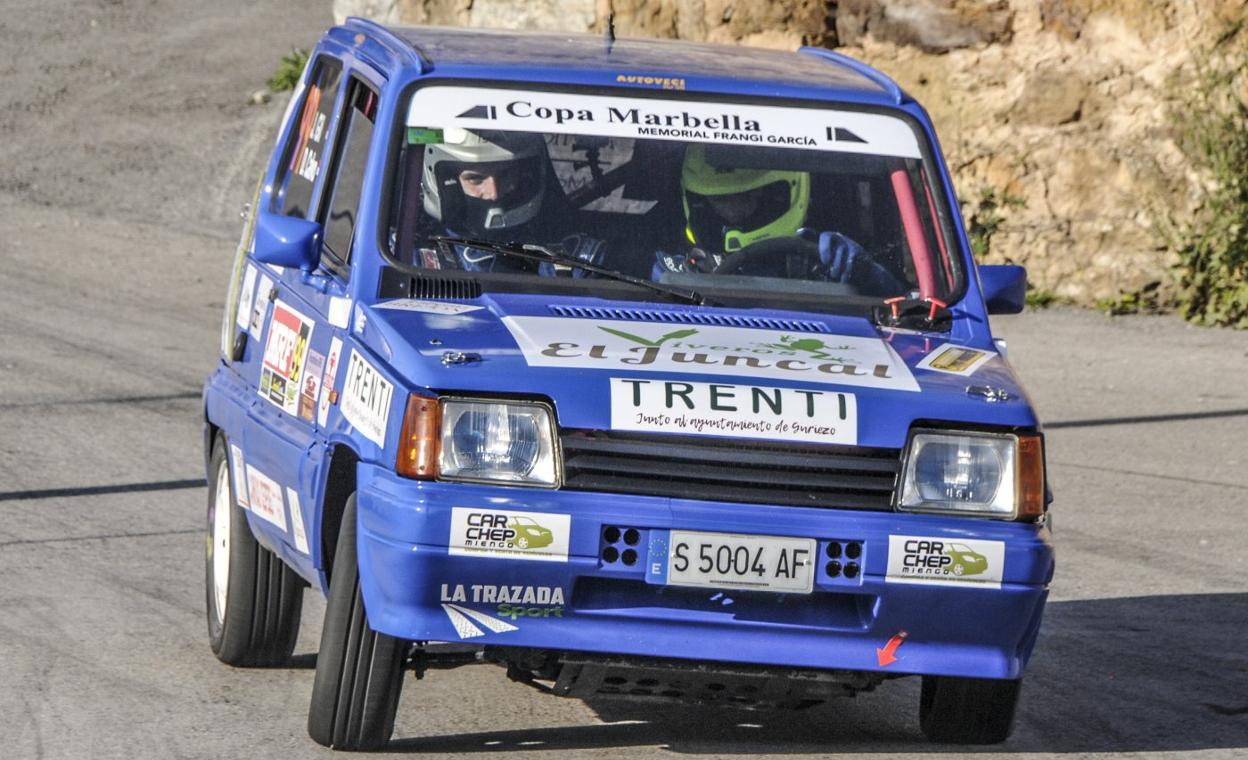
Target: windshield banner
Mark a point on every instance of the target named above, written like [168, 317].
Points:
[477, 108]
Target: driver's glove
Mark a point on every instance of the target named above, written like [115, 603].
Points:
[845, 261]
[580, 246]
[693, 260]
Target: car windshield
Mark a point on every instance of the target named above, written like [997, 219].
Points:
[739, 202]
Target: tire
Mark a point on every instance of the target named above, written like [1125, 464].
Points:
[253, 598]
[359, 672]
[967, 710]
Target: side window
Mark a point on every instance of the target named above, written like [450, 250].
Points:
[339, 212]
[304, 157]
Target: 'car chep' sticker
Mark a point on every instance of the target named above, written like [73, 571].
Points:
[737, 411]
[510, 534]
[366, 397]
[266, 497]
[285, 353]
[450, 108]
[955, 360]
[709, 350]
[945, 562]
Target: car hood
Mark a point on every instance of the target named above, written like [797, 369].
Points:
[788, 376]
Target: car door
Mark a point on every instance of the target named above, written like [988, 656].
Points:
[284, 327]
[306, 331]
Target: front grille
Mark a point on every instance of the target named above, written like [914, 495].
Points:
[685, 467]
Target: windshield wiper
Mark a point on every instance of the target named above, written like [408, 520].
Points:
[531, 252]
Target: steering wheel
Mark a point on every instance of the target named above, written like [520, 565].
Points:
[791, 258]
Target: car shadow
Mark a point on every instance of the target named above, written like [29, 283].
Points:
[1136, 674]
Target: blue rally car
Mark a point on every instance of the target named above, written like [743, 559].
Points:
[643, 369]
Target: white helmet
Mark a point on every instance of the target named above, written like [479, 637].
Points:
[522, 152]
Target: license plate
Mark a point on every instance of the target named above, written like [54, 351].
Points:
[754, 563]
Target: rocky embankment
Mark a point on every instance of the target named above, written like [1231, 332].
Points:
[1061, 119]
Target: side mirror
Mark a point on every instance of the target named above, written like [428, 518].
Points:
[1004, 286]
[287, 241]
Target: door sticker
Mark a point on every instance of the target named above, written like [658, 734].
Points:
[266, 497]
[366, 397]
[240, 477]
[260, 305]
[246, 296]
[327, 380]
[285, 354]
[296, 521]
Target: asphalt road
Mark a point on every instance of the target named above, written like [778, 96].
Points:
[117, 201]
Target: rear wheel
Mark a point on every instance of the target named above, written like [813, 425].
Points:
[359, 672]
[967, 710]
[253, 598]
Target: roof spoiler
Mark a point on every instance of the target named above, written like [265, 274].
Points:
[397, 44]
[858, 67]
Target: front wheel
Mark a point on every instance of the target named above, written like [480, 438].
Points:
[956, 710]
[359, 672]
[254, 600]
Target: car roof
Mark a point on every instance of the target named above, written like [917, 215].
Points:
[570, 57]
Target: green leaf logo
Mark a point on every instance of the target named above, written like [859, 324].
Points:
[674, 335]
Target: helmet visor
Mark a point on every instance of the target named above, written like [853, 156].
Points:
[480, 197]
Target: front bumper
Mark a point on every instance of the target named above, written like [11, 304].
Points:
[415, 588]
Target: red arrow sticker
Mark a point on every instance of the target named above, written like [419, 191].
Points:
[886, 656]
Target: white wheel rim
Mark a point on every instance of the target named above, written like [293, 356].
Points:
[221, 541]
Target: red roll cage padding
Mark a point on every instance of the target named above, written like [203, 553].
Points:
[940, 237]
[914, 233]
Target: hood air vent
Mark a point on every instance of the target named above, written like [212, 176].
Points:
[396, 284]
[439, 287]
[689, 318]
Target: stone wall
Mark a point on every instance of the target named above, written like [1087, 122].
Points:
[1056, 116]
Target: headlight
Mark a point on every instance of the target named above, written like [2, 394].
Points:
[508, 442]
[991, 475]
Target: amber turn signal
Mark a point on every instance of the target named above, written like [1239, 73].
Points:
[1030, 476]
[418, 440]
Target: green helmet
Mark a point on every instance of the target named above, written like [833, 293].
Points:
[728, 209]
